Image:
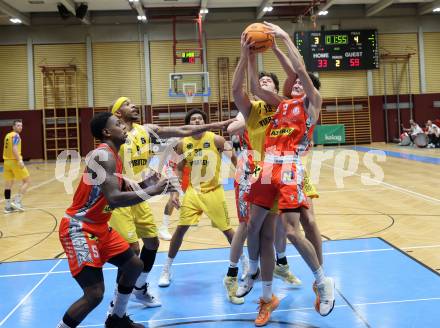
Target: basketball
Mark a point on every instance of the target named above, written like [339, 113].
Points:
[257, 32]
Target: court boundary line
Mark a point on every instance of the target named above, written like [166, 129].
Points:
[28, 294]
[36, 186]
[410, 256]
[279, 311]
[390, 185]
[392, 248]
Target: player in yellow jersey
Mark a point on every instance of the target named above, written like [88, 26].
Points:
[204, 194]
[13, 168]
[137, 221]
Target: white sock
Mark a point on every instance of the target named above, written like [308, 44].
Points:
[281, 255]
[319, 275]
[233, 264]
[169, 263]
[110, 307]
[141, 280]
[267, 291]
[243, 258]
[253, 266]
[62, 325]
[7, 203]
[120, 304]
[166, 220]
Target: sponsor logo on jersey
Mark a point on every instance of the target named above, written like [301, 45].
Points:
[107, 209]
[139, 162]
[281, 132]
[189, 146]
[265, 121]
[295, 110]
[206, 145]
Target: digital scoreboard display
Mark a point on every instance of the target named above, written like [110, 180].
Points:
[188, 57]
[338, 50]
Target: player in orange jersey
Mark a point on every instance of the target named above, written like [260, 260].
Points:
[84, 232]
[287, 138]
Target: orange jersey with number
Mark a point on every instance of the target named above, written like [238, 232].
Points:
[89, 204]
[290, 131]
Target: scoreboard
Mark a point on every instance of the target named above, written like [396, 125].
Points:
[338, 50]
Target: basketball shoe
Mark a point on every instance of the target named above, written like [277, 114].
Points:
[141, 295]
[282, 272]
[113, 321]
[247, 284]
[265, 310]
[325, 296]
[231, 286]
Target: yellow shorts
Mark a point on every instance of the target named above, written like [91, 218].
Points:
[212, 203]
[134, 222]
[13, 171]
[309, 187]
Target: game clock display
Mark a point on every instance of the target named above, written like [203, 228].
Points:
[338, 50]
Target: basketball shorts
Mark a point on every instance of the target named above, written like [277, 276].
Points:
[282, 181]
[242, 189]
[134, 222]
[89, 244]
[212, 203]
[13, 171]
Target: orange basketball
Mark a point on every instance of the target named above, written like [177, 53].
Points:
[257, 32]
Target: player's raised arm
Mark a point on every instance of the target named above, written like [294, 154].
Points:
[311, 92]
[186, 130]
[241, 98]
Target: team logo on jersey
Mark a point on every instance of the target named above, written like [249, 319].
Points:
[275, 122]
[143, 140]
[281, 132]
[206, 145]
[189, 146]
[285, 106]
[295, 110]
[288, 176]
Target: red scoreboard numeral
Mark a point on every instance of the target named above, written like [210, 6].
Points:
[322, 63]
[355, 62]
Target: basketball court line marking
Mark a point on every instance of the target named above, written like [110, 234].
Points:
[391, 186]
[37, 186]
[280, 311]
[224, 261]
[28, 294]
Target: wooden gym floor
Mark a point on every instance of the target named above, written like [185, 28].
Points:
[403, 209]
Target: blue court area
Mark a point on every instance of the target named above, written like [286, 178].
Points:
[396, 154]
[377, 286]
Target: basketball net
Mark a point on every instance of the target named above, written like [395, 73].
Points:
[189, 95]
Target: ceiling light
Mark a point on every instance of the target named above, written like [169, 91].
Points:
[323, 13]
[436, 10]
[204, 11]
[15, 20]
[133, 0]
[142, 18]
[267, 8]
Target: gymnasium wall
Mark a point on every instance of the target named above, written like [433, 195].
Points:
[119, 63]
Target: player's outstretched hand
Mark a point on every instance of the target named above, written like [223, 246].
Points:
[275, 30]
[223, 125]
[246, 46]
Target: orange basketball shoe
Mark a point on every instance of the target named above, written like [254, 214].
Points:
[265, 310]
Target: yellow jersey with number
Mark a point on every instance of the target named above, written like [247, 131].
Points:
[136, 153]
[204, 160]
[259, 118]
[11, 139]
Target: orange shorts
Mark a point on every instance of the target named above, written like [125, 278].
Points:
[282, 181]
[89, 244]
